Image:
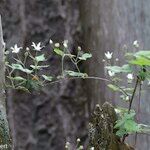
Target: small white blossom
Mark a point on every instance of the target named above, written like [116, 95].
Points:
[110, 73]
[103, 60]
[15, 49]
[57, 45]
[50, 41]
[127, 98]
[81, 147]
[92, 148]
[27, 49]
[65, 43]
[79, 48]
[136, 44]
[37, 47]
[130, 76]
[108, 55]
[117, 59]
[117, 111]
[78, 140]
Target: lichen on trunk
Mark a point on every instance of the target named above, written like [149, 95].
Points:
[101, 129]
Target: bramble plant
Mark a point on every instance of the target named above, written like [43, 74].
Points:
[24, 73]
[137, 71]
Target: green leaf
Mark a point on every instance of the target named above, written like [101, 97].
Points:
[48, 78]
[131, 126]
[38, 67]
[140, 61]
[116, 69]
[76, 74]
[59, 52]
[17, 66]
[22, 88]
[40, 58]
[144, 53]
[85, 56]
[20, 67]
[121, 132]
[141, 58]
[18, 78]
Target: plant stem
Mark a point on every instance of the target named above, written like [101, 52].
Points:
[132, 97]
[130, 104]
[138, 111]
[62, 65]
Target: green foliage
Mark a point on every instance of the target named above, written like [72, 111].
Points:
[116, 69]
[48, 78]
[126, 124]
[40, 58]
[24, 75]
[85, 56]
[59, 52]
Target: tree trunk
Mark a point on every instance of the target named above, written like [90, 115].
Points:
[46, 120]
[113, 25]
[4, 127]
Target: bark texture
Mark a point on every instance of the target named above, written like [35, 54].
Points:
[4, 128]
[46, 120]
[101, 129]
[60, 112]
[113, 25]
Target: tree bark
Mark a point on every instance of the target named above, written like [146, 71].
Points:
[4, 127]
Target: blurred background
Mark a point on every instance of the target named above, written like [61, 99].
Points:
[60, 112]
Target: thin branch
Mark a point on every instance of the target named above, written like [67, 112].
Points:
[132, 97]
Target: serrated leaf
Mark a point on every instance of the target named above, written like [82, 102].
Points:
[131, 126]
[144, 53]
[116, 69]
[141, 58]
[20, 67]
[16, 66]
[58, 51]
[40, 58]
[48, 78]
[85, 56]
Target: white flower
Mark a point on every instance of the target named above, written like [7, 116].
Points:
[57, 45]
[136, 44]
[79, 48]
[92, 148]
[127, 98]
[110, 73]
[37, 47]
[78, 140]
[27, 49]
[50, 41]
[15, 49]
[65, 43]
[108, 55]
[81, 147]
[130, 76]
[117, 59]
